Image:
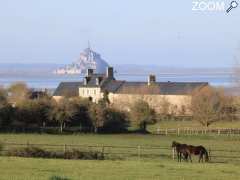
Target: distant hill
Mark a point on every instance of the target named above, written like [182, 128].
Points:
[88, 59]
[20, 69]
[13, 69]
[155, 69]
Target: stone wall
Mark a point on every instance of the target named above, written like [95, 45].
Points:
[57, 98]
[177, 104]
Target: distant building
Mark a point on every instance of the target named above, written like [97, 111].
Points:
[123, 94]
[88, 59]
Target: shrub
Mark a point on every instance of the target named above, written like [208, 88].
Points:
[115, 121]
[40, 153]
[29, 152]
[58, 178]
[76, 154]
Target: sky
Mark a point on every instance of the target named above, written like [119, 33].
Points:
[144, 32]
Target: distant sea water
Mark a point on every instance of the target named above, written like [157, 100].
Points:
[51, 81]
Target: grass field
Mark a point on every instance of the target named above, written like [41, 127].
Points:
[150, 168]
[43, 169]
[192, 124]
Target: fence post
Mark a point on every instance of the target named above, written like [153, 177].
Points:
[219, 131]
[158, 130]
[102, 152]
[209, 154]
[178, 131]
[139, 152]
[173, 153]
[166, 131]
[64, 148]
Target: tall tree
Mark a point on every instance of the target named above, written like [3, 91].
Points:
[3, 97]
[142, 114]
[18, 92]
[81, 118]
[208, 105]
[61, 112]
[97, 114]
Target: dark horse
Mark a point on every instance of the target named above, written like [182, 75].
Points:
[187, 150]
[182, 151]
[199, 150]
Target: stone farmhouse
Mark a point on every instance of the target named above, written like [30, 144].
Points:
[174, 97]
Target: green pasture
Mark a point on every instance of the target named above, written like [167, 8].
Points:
[212, 142]
[42, 169]
[192, 124]
[160, 166]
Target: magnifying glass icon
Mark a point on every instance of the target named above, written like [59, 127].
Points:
[233, 4]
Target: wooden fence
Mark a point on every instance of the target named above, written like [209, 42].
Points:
[128, 152]
[197, 131]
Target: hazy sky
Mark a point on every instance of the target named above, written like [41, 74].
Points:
[165, 33]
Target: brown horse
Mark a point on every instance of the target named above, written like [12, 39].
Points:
[182, 151]
[199, 150]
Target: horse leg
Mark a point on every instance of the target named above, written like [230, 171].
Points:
[200, 157]
[186, 157]
[189, 155]
[206, 157]
[203, 155]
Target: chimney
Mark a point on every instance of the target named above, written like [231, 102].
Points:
[151, 79]
[86, 80]
[89, 72]
[110, 72]
[98, 81]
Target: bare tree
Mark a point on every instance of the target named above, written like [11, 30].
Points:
[97, 114]
[61, 112]
[236, 69]
[234, 90]
[208, 105]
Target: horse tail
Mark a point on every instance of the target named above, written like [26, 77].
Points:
[206, 155]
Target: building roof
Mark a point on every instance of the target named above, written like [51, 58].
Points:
[112, 85]
[71, 89]
[164, 88]
[68, 89]
[108, 83]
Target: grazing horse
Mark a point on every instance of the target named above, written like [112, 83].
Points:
[182, 150]
[199, 150]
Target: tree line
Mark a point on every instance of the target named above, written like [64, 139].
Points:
[21, 111]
